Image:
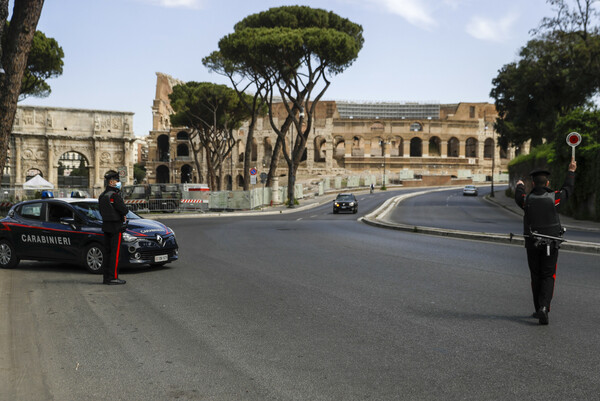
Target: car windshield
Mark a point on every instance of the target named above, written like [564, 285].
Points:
[92, 210]
[470, 187]
[345, 198]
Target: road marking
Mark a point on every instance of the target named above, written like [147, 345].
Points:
[299, 219]
[314, 215]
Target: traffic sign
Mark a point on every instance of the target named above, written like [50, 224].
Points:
[253, 171]
[122, 171]
[573, 140]
[263, 178]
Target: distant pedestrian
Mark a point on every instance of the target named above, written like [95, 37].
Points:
[372, 187]
[541, 217]
[113, 212]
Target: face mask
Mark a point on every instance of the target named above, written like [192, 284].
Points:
[118, 185]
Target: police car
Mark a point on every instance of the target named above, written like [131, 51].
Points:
[70, 230]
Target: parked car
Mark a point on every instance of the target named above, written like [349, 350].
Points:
[70, 230]
[470, 190]
[345, 202]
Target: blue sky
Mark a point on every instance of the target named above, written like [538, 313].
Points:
[445, 51]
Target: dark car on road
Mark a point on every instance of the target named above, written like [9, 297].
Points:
[345, 203]
[70, 230]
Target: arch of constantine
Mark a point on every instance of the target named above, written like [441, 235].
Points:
[53, 142]
[404, 140]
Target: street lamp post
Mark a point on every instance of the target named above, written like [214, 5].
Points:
[383, 143]
[493, 157]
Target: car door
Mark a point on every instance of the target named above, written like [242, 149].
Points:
[29, 239]
[63, 230]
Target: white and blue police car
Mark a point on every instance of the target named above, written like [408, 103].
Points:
[70, 230]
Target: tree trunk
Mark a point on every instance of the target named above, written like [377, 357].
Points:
[274, 161]
[26, 14]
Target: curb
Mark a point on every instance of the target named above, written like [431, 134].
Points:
[377, 218]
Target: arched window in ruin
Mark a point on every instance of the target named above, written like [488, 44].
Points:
[453, 147]
[471, 147]
[186, 174]
[241, 150]
[182, 135]
[435, 146]
[183, 150]
[357, 146]
[416, 127]
[162, 148]
[267, 151]
[228, 182]
[396, 147]
[488, 148]
[320, 149]
[254, 151]
[340, 149]
[240, 181]
[162, 174]
[376, 146]
[503, 153]
[416, 147]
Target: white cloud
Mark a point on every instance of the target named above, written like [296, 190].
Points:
[194, 4]
[490, 29]
[415, 12]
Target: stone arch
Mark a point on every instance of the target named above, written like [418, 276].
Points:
[453, 147]
[32, 172]
[183, 136]
[228, 182]
[397, 146]
[267, 151]
[377, 146]
[435, 146]
[240, 181]
[339, 147]
[358, 146]
[416, 147]
[183, 150]
[241, 150]
[471, 147]
[488, 148]
[186, 174]
[416, 127]
[73, 170]
[320, 152]
[254, 151]
[162, 148]
[162, 174]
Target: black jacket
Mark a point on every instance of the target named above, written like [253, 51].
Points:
[112, 210]
[541, 208]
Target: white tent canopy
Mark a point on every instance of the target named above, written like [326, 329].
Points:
[37, 182]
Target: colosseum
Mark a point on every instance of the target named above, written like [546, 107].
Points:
[398, 141]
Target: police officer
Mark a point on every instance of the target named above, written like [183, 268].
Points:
[113, 211]
[541, 216]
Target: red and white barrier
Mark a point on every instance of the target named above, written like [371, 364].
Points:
[193, 201]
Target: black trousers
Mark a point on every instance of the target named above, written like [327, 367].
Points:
[543, 275]
[112, 243]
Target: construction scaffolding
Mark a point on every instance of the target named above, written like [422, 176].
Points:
[385, 110]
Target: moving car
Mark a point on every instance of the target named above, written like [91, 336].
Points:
[70, 230]
[470, 190]
[345, 202]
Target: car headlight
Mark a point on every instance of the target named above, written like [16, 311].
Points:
[337, 205]
[129, 238]
[351, 204]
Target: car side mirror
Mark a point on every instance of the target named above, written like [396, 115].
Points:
[11, 213]
[68, 221]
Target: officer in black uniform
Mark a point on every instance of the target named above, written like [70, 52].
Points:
[541, 216]
[113, 211]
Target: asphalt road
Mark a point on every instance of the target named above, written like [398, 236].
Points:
[302, 306]
[451, 210]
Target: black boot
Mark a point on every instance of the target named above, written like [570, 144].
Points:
[543, 315]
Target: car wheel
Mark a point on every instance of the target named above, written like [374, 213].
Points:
[355, 211]
[8, 255]
[94, 258]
